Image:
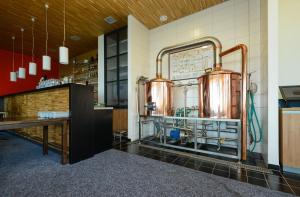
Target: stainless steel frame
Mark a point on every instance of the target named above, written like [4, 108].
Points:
[194, 133]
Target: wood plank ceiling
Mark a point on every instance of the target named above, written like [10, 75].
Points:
[84, 18]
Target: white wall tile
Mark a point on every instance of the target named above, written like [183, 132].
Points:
[232, 22]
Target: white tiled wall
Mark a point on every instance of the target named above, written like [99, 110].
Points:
[232, 22]
[264, 75]
[289, 42]
[138, 56]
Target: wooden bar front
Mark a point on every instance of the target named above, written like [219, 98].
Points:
[73, 98]
[29, 104]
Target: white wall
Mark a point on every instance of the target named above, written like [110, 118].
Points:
[273, 39]
[101, 83]
[232, 22]
[264, 73]
[138, 64]
[289, 39]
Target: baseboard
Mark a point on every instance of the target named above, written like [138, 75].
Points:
[274, 167]
[291, 170]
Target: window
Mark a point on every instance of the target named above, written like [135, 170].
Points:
[116, 69]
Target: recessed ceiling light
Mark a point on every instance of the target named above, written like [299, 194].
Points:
[163, 18]
[75, 38]
[110, 20]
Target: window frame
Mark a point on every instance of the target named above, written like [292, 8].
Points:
[117, 56]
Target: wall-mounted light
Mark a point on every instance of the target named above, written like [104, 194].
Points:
[22, 70]
[32, 64]
[46, 58]
[13, 74]
[64, 51]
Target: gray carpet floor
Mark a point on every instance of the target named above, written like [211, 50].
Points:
[24, 171]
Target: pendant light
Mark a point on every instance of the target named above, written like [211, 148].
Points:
[32, 64]
[64, 51]
[13, 74]
[46, 58]
[22, 71]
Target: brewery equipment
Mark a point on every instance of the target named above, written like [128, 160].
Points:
[220, 93]
[158, 95]
[222, 100]
[159, 91]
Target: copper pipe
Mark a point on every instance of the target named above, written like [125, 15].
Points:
[190, 45]
[244, 50]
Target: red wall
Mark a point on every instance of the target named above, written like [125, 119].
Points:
[8, 87]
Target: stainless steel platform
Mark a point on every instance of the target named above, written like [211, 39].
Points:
[195, 134]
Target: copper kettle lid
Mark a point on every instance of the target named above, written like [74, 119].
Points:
[159, 78]
[218, 70]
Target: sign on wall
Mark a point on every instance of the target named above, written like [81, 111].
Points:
[190, 64]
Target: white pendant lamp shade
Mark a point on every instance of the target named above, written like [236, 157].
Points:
[64, 51]
[32, 64]
[13, 76]
[22, 73]
[46, 58]
[63, 55]
[32, 68]
[46, 62]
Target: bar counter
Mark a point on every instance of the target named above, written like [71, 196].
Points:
[73, 98]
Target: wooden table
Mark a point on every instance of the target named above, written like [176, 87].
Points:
[19, 123]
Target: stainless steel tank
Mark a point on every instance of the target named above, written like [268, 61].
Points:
[158, 95]
[220, 94]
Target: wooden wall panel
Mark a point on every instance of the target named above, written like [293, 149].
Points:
[290, 138]
[29, 104]
[120, 120]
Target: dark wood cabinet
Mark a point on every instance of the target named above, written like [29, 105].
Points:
[81, 123]
[102, 130]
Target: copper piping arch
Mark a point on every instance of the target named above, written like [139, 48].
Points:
[190, 45]
[159, 91]
[244, 52]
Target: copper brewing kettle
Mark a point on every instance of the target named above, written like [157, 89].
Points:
[158, 95]
[219, 94]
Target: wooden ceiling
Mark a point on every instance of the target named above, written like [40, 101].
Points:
[84, 18]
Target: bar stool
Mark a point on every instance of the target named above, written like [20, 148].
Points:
[3, 115]
[120, 134]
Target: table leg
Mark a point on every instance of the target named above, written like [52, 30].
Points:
[45, 140]
[64, 141]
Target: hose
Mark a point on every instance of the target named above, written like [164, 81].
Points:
[251, 122]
